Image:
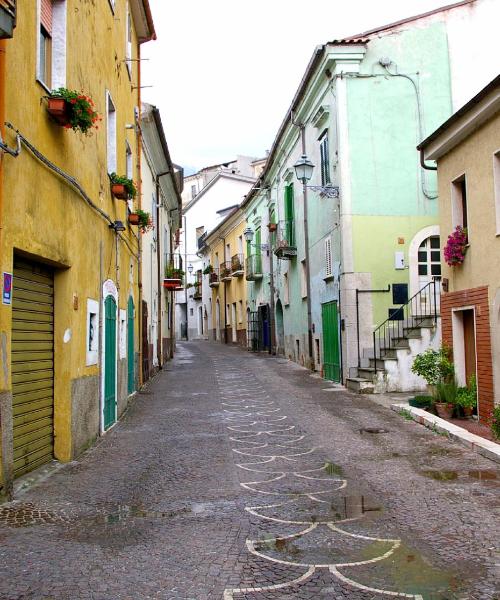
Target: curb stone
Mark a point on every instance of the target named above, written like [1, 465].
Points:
[474, 442]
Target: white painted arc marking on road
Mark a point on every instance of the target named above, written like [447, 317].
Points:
[362, 537]
[277, 586]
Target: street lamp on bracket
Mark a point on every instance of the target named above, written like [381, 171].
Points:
[303, 171]
[248, 234]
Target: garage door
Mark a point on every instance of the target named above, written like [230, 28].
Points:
[32, 365]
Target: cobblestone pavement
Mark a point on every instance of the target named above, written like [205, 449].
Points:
[239, 476]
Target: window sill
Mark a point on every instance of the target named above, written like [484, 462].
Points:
[43, 85]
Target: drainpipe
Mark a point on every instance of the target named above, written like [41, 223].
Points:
[423, 164]
[306, 255]
[6, 467]
[271, 289]
[139, 180]
[159, 349]
[185, 278]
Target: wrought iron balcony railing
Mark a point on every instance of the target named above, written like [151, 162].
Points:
[254, 267]
[225, 271]
[213, 278]
[286, 246]
[237, 268]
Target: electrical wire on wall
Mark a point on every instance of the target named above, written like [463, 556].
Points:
[69, 179]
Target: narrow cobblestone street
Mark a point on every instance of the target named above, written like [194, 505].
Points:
[240, 476]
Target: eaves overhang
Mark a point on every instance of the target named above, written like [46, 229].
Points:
[462, 123]
[143, 20]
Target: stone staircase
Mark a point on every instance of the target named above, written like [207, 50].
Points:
[386, 365]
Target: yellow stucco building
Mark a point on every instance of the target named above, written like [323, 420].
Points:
[467, 151]
[225, 245]
[68, 320]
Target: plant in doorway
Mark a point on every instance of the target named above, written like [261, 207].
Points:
[467, 397]
[495, 422]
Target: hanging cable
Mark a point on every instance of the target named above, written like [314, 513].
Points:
[68, 178]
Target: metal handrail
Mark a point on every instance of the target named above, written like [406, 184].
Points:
[213, 276]
[408, 317]
[286, 233]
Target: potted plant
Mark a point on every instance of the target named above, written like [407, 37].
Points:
[208, 269]
[456, 247]
[495, 422]
[424, 402]
[445, 398]
[73, 110]
[467, 397]
[433, 366]
[272, 227]
[122, 187]
[142, 219]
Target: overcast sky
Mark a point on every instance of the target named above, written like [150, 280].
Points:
[224, 71]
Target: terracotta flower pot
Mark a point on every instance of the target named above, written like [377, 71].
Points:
[272, 226]
[172, 284]
[58, 110]
[444, 410]
[133, 219]
[467, 411]
[118, 190]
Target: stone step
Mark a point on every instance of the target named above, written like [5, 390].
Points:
[360, 385]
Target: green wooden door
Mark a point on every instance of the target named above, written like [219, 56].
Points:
[331, 348]
[109, 362]
[130, 346]
[258, 241]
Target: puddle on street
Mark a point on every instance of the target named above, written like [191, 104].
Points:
[445, 475]
[408, 571]
[125, 512]
[333, 469]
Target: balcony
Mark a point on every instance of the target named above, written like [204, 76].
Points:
[286, 246]
[254, 267]
[225, 271]
[213, 278]
[7, 18]
[237, 269]
[197, 291]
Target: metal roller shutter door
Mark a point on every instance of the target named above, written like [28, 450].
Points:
[32, 365]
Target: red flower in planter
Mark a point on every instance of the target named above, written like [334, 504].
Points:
[456, 247]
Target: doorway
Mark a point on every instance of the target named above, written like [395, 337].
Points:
[280, 328]
[130, 347]
[109, 409]
[331, 346]
[464, 344]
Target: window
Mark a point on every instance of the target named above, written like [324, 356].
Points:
[193, 192]
[240, 244]
[328, 258]
[128, 46]
[51, 66]
[459, 203]
[303, 279]
[496, 176]
[128, 161]
[227, 255]
[111, 133]
[289, 215]
[240, 311]
[325, 158]
[92, 332]
[228, 314]
[258, 241]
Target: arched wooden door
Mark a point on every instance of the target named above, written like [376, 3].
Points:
[109, 362]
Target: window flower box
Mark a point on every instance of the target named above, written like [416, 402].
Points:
[142, 219]
[73, 110]
[456, 247]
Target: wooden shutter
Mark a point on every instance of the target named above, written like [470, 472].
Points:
[289, 202]
[328, 258]
[46, 15]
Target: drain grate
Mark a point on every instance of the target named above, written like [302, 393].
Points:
[373, 430]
